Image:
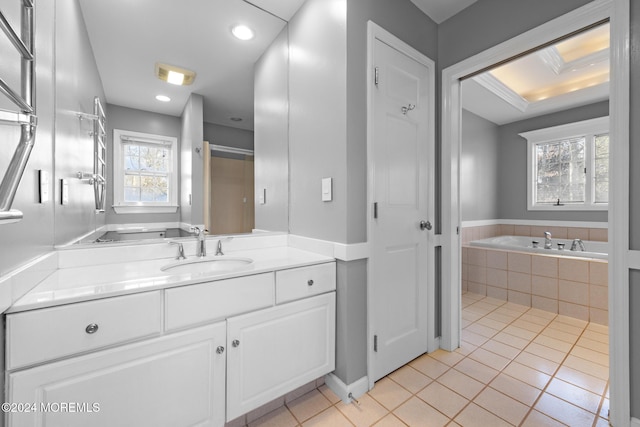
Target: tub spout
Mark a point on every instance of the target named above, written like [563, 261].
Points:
[547, 240]
[578, 243]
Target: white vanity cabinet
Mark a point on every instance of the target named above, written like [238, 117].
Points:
[198, 354]
[175, 380]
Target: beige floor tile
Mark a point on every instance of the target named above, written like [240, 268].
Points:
[572, 321]
[475, 416]
[545, 352]
[477, 370]
[281, 417]
[601, 329]
[329, 394]
[511, 340]
[461, 383]
[593, 345]
[390, 421]
[575, 395]
[538, 363]
[490, 359]
[502, 318]
[410, 379]
[330, 417]
[532, 317]
[541, 314]
[591, 355]
[364, 413]
[527, 325]
[415, 412]
[581, 379]
[516, 308]
[519, 332]
[473, 338]
[604, 409]
[443, 399]
[555, 324]
[429, 366]
[537, 419]
[528, 375]
[493, 324]
[465, 348]
[449, 358]
[601, 422]
[518, 390]
[560, 335]
[470, 316]
[602, 338]
[587, 367]
[389, 393]
[482, 330]
[493, 301]
[501, 349]
[563, 411]
[553, 343]
[502, 405]
[308, 405]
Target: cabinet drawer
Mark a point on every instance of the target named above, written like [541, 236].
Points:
[304, 282]
[40, 335]
[197, 304]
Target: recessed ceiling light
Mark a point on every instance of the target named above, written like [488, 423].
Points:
[174, 75]
[236, 119]
[242, 32]
[163, 98]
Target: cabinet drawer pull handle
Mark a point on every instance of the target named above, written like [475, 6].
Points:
[310, 282]
[91, 329]
[235, 343]
[220, 350]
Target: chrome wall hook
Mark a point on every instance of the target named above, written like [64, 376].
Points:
[405, 110]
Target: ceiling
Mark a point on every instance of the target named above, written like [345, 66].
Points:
[128, 38]
[441, 10]
[568, 74]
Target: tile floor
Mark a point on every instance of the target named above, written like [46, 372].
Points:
[517, 366]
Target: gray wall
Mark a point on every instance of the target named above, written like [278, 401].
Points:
[65, 85]
[634, 211]
[479, 168]
[228, 136]
[512, 187]
[271, 146]
[138, 121]
[191, 173]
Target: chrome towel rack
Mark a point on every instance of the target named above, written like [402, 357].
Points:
[25, 117]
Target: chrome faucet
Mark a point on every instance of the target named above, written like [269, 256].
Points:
[578, 243]
[201, 247]
[547, 240]
[180, 250]
[219, 247]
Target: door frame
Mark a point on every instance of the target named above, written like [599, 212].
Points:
[376, 32]
[618, 11]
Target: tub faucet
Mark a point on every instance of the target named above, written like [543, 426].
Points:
[547, 240]
[201, 246]
[578, 243]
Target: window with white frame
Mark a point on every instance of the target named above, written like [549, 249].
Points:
[145, 172]
[568, 166]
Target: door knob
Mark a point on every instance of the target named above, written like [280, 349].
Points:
[220, 350]
[425, 225]
[235, 343]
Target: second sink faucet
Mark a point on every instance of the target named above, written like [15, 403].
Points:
[201, 246]
[219, 247]
[547, 240]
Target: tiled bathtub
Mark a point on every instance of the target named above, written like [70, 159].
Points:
[575, 287]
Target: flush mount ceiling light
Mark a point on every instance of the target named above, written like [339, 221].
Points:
[242, 32]
[163, 98]
[174, 75]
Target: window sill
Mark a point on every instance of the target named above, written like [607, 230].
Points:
[568, 207]
[144, 209]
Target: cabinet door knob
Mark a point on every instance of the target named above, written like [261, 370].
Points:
[235, 343]
[310, 282]
[220, 350]
[91, 328]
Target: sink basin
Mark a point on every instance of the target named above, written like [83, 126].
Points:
[208, 265]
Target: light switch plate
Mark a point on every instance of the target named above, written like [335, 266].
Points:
[64, 192]
[43, 186]
[327, 192]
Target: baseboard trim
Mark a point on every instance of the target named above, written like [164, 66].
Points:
[635, 422]
[534, 222]
[343, 390]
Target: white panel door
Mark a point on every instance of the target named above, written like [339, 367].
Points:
[400, 189]
[173, 381]
[275, 351]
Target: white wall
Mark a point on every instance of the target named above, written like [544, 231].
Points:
[191, 162]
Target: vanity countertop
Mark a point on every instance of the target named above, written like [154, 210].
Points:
[69, 285]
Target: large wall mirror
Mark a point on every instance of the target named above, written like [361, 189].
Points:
[132, 42]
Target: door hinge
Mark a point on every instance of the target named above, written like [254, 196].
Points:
[458, 230]
[375, 210]
[375, 343]
[376, 75]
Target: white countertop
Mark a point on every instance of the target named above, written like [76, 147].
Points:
[83, 283]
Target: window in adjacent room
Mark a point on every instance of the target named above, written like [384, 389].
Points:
[145, 172]
[568, 166]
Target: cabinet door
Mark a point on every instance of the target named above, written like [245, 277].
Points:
[274, 351]
[176, 380]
